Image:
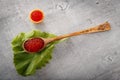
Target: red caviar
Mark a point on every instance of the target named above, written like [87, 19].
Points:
[33, 44]
[36, 16]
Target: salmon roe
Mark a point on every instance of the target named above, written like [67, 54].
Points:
[36, 16]
[33, 44]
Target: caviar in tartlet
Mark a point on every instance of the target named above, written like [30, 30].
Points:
[36, 16]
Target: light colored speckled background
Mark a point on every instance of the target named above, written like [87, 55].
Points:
[85, 57]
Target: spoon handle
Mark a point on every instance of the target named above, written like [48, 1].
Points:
[99, 28]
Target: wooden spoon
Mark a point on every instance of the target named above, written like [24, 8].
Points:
[37, 44]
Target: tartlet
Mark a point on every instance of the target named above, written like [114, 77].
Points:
[36, 16]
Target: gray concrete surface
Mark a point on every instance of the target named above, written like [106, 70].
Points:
[85, 57]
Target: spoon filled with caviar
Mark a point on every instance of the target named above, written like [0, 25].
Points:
[36, 44]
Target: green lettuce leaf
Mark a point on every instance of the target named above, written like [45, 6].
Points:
[25, 63]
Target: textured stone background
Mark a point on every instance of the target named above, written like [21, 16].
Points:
[85, 57]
